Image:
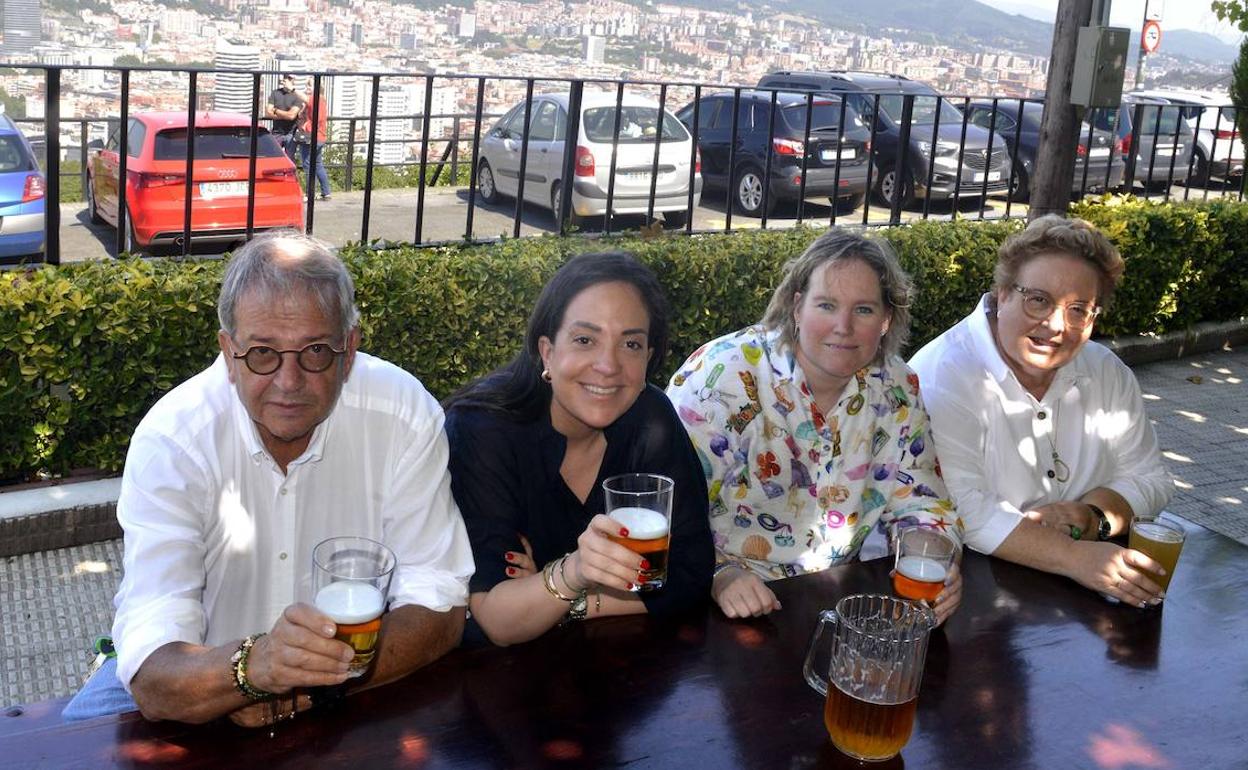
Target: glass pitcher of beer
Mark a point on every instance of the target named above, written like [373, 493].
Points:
[878, 645]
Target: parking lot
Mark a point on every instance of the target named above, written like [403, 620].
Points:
[393, 217]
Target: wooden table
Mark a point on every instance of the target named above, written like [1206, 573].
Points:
[1032, 672]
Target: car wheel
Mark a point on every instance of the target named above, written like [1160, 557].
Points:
[485, 183]
[675, 220]
[749, 194]
[92, 211]
[131, 243]
[1200, 172]
[848, 203]
[556, 198]
[1020, 187]
[886, 188]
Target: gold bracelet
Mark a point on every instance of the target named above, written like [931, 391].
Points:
[548, 579]
[598, 602]
[566, 584]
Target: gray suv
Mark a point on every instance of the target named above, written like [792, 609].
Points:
[978, 173]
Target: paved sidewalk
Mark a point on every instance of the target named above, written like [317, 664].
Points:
[54, 603]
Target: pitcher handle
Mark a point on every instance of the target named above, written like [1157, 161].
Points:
[812, 675]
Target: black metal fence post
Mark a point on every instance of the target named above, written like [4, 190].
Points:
[123, 154]
[572, 136]
[52, 177]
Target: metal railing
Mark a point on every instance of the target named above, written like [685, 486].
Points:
[756, 148]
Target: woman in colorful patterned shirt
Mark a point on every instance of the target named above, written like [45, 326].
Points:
[810, 428]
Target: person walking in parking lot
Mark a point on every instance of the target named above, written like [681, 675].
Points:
[311, 143]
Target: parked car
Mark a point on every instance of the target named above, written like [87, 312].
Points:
[156, 180]
[788, 148]
[23, 194]
[860, 90]
[498, 172]
[1211, 118]
[1098, 166]
[1156, 148]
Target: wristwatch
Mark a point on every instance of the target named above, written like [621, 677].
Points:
[1102, 521]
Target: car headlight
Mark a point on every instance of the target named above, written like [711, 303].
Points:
[943, 149]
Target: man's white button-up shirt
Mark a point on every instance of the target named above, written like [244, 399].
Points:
[218, 541]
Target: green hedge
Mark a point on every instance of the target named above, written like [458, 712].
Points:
[86, 348]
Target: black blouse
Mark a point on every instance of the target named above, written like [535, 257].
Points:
[505, 477]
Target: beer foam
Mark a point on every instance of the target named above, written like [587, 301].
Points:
[347, 601]
[922, 569]
[642, 523]
[1157, 532]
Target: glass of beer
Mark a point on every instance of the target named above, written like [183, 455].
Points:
[642, 504]
[878, 648]
[1162, 541]
[351, 581]
[924, 558]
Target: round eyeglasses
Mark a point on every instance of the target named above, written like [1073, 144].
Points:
[1039, 307]
[262, 359]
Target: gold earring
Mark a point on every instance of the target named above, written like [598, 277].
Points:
[546, 375]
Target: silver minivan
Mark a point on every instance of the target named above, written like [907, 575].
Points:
[640, 129]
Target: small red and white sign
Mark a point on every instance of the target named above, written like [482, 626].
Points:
[1150, 36]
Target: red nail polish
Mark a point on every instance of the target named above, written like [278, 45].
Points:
[640, 578]
[630, 586]
[509, 556]
[623, 531]
[511, 570]
[645, 564]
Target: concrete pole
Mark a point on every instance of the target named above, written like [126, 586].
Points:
[1059, 125]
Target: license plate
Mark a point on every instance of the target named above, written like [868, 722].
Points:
[993, 176]
[222, 189]
[1098, 152]
[829, 156]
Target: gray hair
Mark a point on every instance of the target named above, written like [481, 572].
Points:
[838, 246]
[279, 262]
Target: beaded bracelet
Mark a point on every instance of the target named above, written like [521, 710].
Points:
[238, 666]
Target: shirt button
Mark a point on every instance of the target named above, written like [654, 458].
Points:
[1050, 474]
[283, 490]
[282, 556]
[1042, 415]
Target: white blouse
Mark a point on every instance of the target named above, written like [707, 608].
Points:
[997, 441]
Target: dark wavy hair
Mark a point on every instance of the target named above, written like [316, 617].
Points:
[517, 388]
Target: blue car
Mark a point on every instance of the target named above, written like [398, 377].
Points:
[23, 194]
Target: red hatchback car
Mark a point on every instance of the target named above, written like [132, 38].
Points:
[156, 181]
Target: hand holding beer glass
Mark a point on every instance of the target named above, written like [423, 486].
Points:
[1161, 541]
[351, 582]
[642, 504]
[924, 559]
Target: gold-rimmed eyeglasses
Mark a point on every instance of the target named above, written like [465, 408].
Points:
[1039, 306]
[314, 358]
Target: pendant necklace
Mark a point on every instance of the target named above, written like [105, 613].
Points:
[1060, 471]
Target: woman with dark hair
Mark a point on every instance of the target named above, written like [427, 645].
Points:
[811, 429]
[1043, 435]
[532, 442]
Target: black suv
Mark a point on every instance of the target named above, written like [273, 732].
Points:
[861, 91]
[788, 132]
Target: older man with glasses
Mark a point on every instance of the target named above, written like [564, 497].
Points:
[290, 437]
[1041, 433]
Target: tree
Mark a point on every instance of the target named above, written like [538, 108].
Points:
[1236, 12]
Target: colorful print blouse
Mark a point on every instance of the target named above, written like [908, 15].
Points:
[793, 490]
